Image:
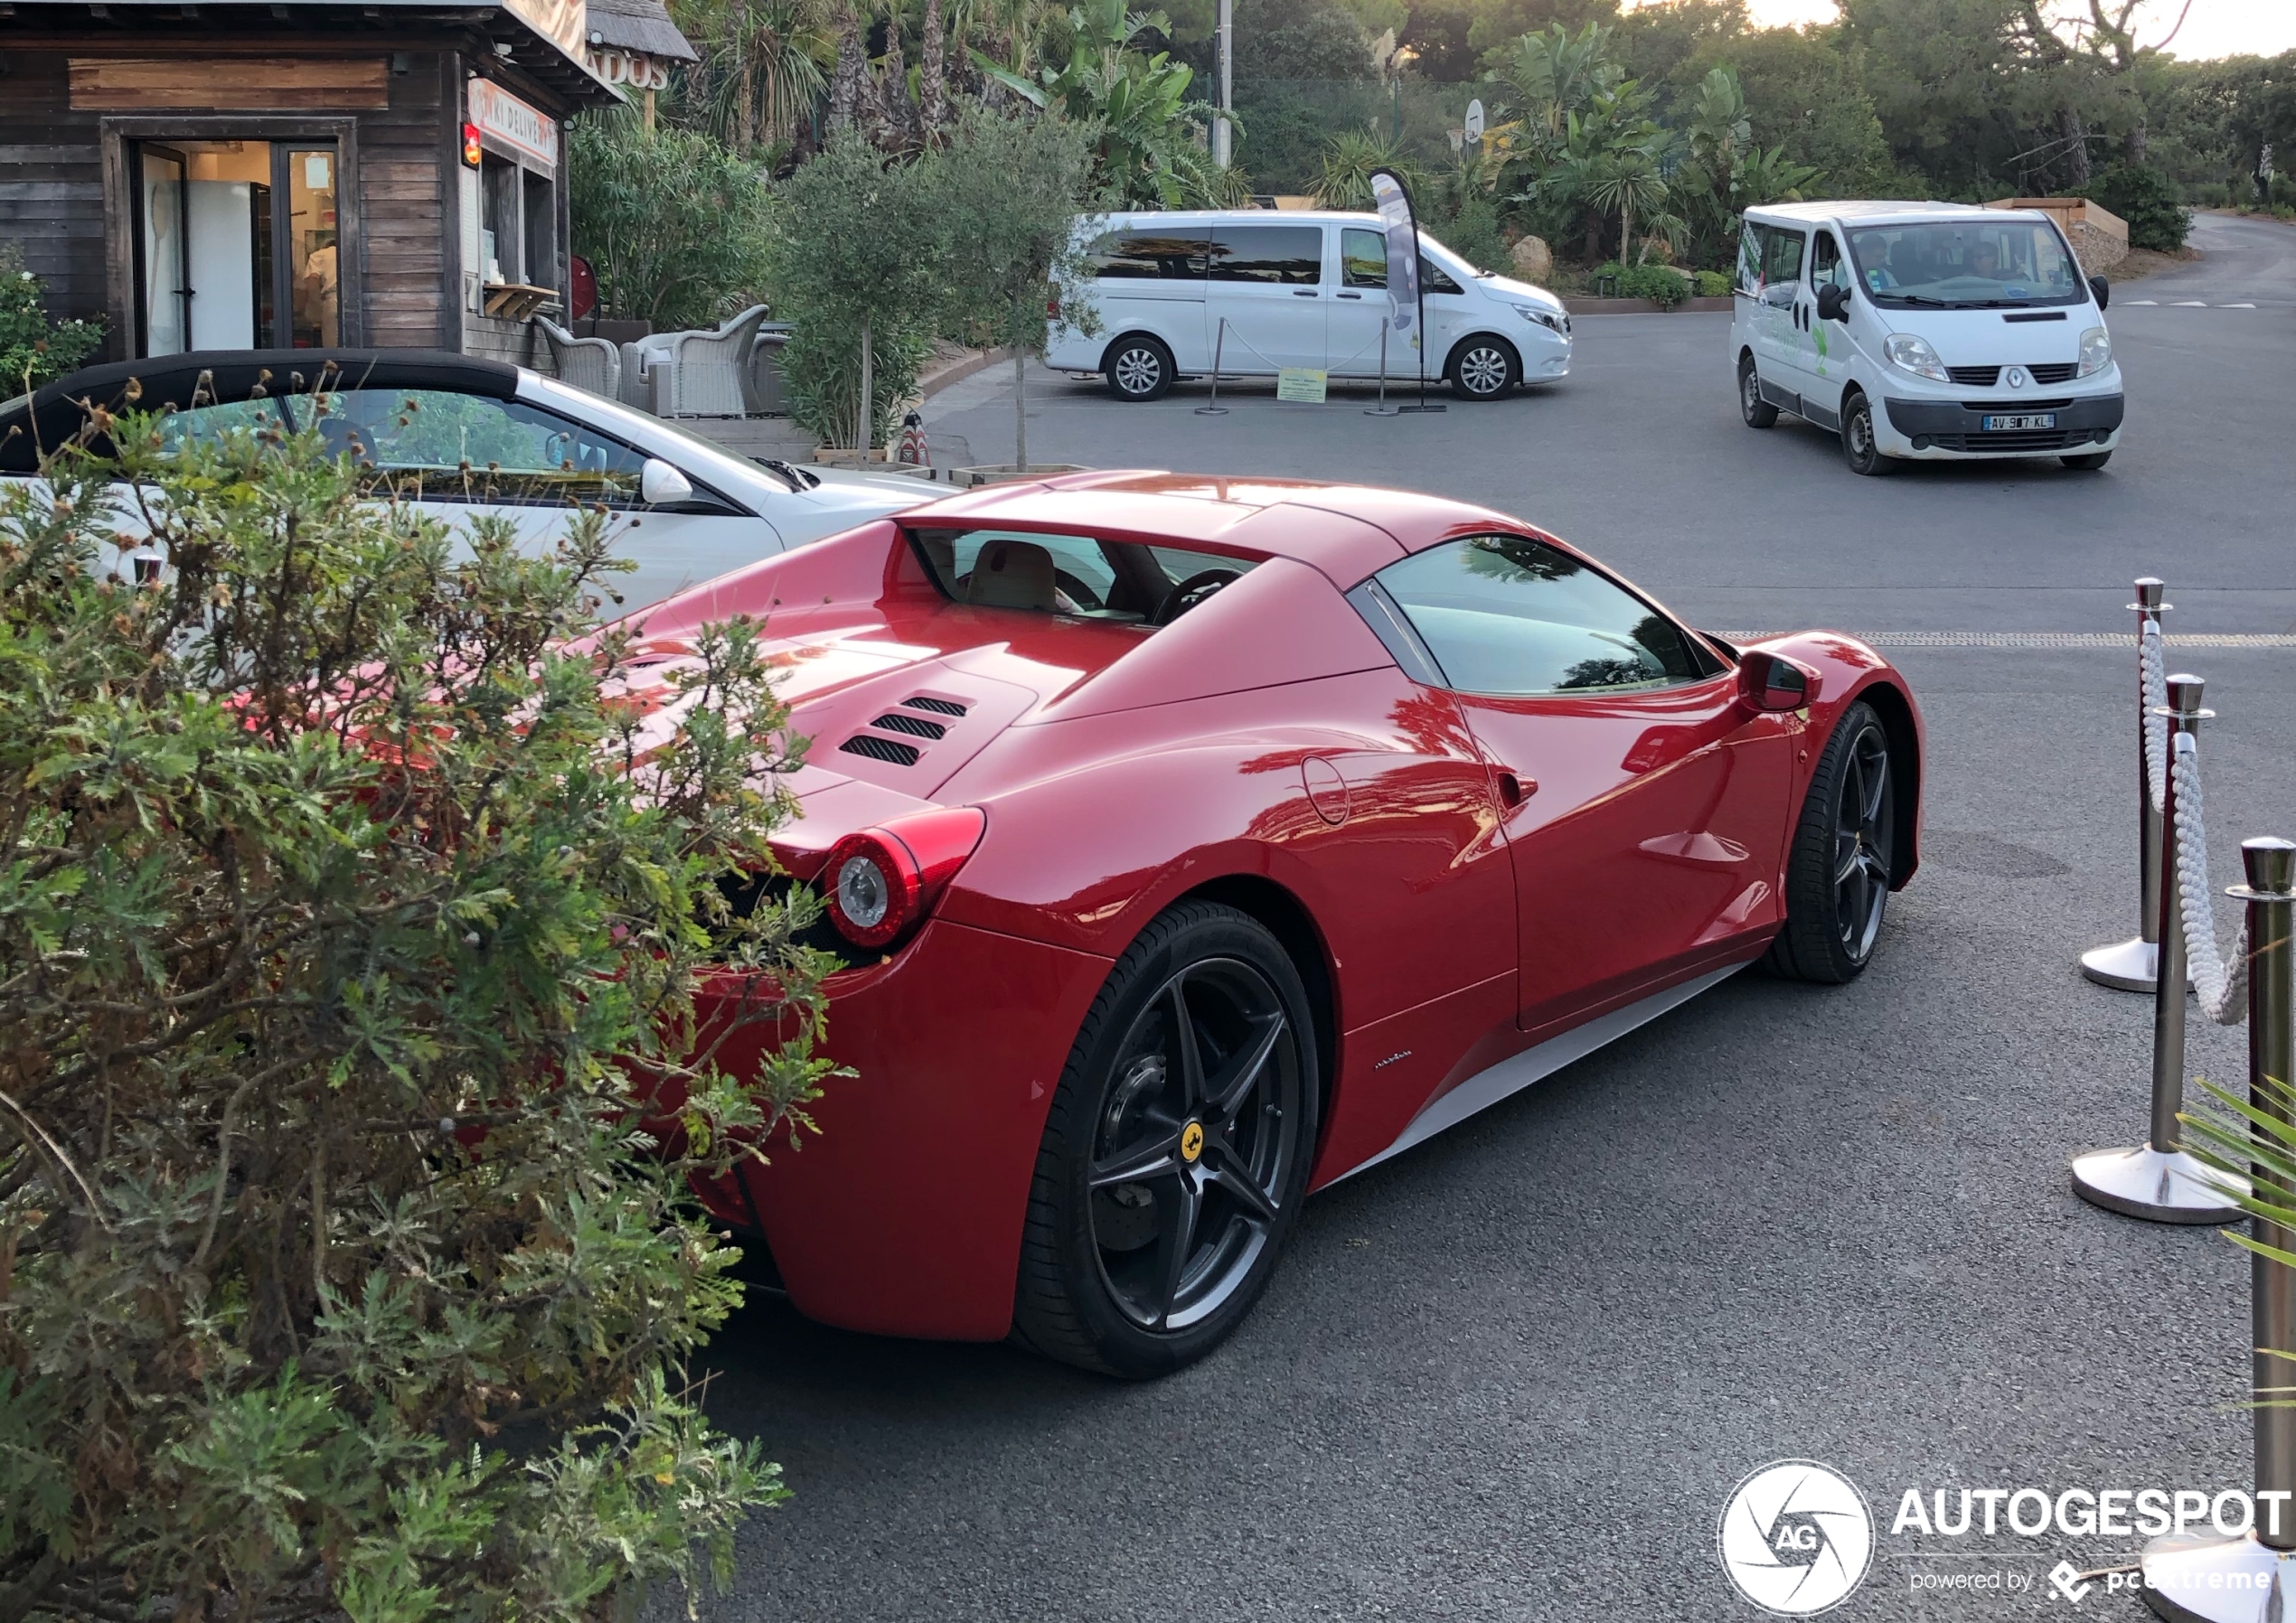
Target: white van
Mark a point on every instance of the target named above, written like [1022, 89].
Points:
[1276, 290]
[1932, 331]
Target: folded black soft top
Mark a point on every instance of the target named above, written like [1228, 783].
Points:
[54, 412]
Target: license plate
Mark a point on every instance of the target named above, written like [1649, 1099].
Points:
[2010, 424]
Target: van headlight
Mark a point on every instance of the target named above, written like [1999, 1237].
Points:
[2096, 350]
[1553, 321]
[1912, 352]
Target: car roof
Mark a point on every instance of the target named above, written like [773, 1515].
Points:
[51, 414]
[1348, 531]
[1881, 212]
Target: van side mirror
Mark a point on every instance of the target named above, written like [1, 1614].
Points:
[661, 485]
[2102, 289]
[1768, 681]
[1833, 302]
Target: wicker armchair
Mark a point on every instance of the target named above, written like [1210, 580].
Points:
[708, 372]
[590, 364]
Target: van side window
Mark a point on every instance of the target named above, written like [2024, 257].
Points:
[1288, 255]
[1363, 258]
[1151, 256]
[1826, 268]
[1750, 260]
[1780, 255]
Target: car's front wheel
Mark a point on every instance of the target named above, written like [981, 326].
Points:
[1175, 1154]
[1483, 369]
[1860, 448]
[1844, 852]
[1139, 368]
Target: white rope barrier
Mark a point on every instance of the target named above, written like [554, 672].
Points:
[2153, 681]
[2221, 979]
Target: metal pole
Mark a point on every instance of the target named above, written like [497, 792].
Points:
[1383, 409]
[2129, 966]
[1219, 346]
[2271, 1045]
[2247, 1578]
[1222, 131]
[2160, 1182]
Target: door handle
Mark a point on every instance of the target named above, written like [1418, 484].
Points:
[1305, 293]
[1348, 295]
[1514, 790]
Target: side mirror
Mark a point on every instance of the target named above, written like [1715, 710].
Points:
[1833, 302]
[1768, 682]
[661, 485]
[2102, 289]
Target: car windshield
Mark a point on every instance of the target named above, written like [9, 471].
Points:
[1966, 264]
[1074, 575]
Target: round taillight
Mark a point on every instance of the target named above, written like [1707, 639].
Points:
[880, 881]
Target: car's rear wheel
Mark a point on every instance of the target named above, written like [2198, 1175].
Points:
[2088, 462]
[1138, 367]
[1845, 849]
[1175, 1154]
[1483, 369]
[1758, 412]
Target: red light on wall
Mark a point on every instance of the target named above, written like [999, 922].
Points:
[471, 150]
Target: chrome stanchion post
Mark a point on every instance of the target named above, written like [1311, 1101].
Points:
[2251, 1577]
[1219, 344]
[2129, 965]
[2160, 1182]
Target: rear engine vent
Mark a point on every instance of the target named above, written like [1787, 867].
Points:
[880, 749]
[916, 726]
[939, 707]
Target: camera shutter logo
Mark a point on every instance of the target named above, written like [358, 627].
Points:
[1796, 1538]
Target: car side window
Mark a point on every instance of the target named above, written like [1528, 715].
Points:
[433, 445]
[1781, 251]
[1287, 254]
[1826, 266]
[1151, 256]
[1507, 615]
[1363, 257]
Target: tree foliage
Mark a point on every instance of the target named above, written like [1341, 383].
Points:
[33, 347]
[345, 902]
[672, 221]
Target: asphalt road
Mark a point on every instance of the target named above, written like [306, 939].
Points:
[1514, 1374]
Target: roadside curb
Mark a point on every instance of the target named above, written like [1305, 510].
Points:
[957, 370]
[1590, 306]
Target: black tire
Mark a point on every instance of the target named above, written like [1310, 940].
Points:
[1138, 368]
[1838, 872]
[2088, 462]
[1757, 412]
[1116, 1272]
[1859, 446]
[1484, 368]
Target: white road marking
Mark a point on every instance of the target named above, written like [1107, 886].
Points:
[2192, 304]
[2140, 301]
[2235, 306]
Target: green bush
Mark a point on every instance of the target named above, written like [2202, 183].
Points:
[34, 349]
[2147, 200]
[1661, 284]
[1472, 234]
[671, 220]
[1711, 285]
[343, 904]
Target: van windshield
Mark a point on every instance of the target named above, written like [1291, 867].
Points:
[1966, 264]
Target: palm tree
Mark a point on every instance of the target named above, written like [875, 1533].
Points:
[1348, 159]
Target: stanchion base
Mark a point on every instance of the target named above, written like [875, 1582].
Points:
[2214, 1580]
[2159, 1189]
[1383, 411]
[1211, 411]
[1404, 408]
[2128, 966]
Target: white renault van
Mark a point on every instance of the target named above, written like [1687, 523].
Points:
[1931, 331]
[1276, 290]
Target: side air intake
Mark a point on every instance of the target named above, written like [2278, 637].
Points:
[880, 749]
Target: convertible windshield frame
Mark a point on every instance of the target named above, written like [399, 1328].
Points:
[1931, 245]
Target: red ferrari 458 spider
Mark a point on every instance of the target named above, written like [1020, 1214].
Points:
[1196, 842]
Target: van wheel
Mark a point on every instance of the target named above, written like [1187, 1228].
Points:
[2088, 462]
[1139, 368]
[1758, 412]
[1483, 369]
[1859, 446]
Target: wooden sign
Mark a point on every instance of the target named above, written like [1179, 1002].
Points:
[131, 84]
[501, 117]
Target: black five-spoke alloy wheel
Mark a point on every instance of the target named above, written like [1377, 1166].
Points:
[1482, 368]
[1176, 1152]
[1139, 368]
[1844, 855]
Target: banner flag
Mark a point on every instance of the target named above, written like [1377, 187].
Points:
[1403, 251]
